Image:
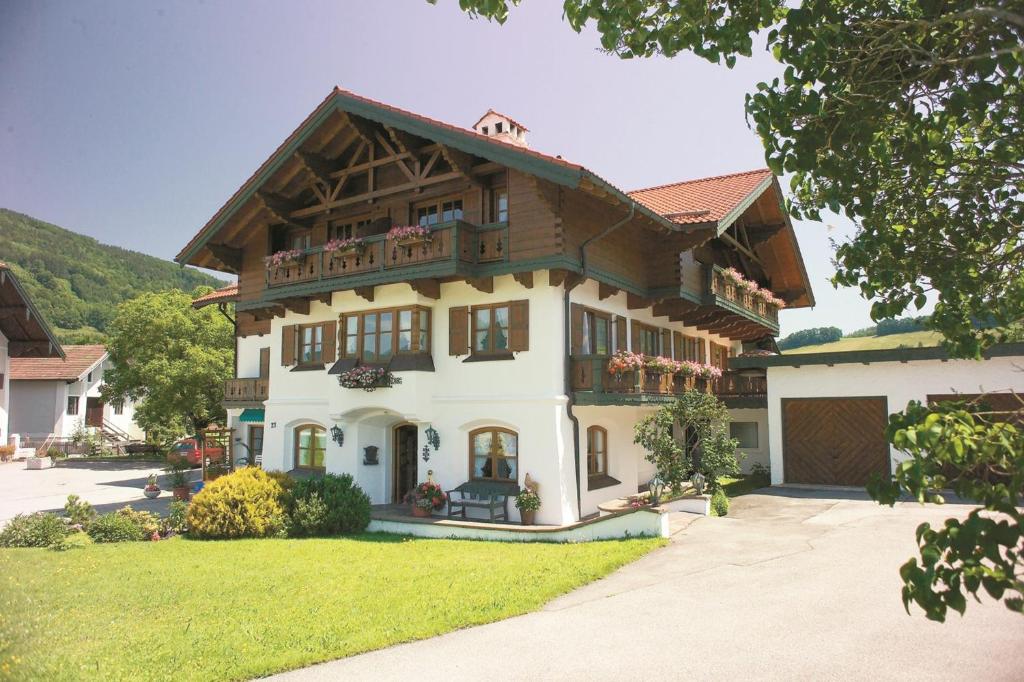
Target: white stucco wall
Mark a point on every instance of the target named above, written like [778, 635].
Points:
[5, 392]
[898, 382]
[249, 355]
[759, 454]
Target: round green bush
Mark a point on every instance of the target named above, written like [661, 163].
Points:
[247, 503]
[116, 527]
[41, 529]
[347, 506]
[719, 503]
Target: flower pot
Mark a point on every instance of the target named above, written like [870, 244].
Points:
[151, 493]
[413, 241]
[528, 517]
[420, 512]
[180, 493]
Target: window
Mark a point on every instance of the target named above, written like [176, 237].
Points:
[310, 444]
[438, 211]
[311, 344]
[88, 378]
[693, 349]
[719, 355]
[499, 205]
[645, 339]
[745, 433]
[490, 328]
[498, 126]
[72, 404]
[118, 406]
[301, 241]
[597, 451]
[493, 454]
[596, 333]
[376, 335]
[346, 229]
[484, 128]
[256, 444]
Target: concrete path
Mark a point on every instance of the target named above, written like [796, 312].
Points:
[794, 584]
[104, 484]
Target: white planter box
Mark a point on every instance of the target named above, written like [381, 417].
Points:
[38, 463]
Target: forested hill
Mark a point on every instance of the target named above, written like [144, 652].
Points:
[77, 282]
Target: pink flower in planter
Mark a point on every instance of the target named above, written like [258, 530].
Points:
[400, 233]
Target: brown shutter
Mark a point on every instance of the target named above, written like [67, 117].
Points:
[634, 337]
[288, 345]
[620, 333]
[458, 331]
[264, 363]
[666, 342]
[677, 346]
[519, 325]
[701, 350]
[576, 323]
[342, 340]
[330, 341]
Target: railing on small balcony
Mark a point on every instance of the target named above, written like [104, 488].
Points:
[590, 373]
[723, 288]
[246, 390]
[734, 385]
[452, 241]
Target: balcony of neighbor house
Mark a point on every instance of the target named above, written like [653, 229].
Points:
[451, 247]
[240, 393]
[593, 384]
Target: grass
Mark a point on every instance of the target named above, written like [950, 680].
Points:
[741, 485]
[911, 339]
[244, 608]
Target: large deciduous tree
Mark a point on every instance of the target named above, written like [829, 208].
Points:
[172, 360]
[904, 115]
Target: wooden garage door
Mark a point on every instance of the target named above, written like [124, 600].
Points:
[834, 441]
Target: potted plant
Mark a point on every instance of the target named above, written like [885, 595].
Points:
[341, 247]
[179, 479]
[409, 235]
[152, 490]
[426, 498]
[285, 258]
[528, 502]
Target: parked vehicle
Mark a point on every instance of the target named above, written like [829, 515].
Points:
[189, 449]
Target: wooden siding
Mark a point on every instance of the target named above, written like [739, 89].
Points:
[535, 230]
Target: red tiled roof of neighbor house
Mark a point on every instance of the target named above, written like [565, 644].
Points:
[79, 360]
[222, 295]
[703, 200]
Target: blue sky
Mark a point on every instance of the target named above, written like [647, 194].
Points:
[133, 122]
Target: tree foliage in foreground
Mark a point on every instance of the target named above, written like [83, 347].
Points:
[172, 360]
[906, 117]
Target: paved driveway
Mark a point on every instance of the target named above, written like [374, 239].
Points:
[794, 584]
[105, 485]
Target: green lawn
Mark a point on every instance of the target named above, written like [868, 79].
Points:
[741, 485]
[911, 339]
[237, 609]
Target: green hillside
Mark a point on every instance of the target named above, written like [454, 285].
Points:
[906, 340]
[77, 282]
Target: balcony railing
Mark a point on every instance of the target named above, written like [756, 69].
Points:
[455, 241]
[590, 373]
[246, 390]
[721, 287]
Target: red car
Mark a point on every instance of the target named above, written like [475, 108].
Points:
[188, 449]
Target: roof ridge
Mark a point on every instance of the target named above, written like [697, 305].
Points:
[693, 180]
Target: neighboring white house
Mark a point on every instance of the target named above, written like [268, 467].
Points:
[23, 333]
[57, 396]
[827, 412]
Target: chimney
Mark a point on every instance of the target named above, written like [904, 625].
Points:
[501, 127]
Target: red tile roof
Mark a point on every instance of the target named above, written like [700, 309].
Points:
[222, 295]
[701, 201]
[79, 360]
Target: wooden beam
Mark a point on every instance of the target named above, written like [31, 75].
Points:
[365, 292]
[12, 310]
[317, 166]
[606, 290]
[267, 313]
[567, 278]
[674, 307]
[229, 256]
[363, 127]
[524, 278]
[634, 302]
[460, 161]
[297, 305]
[484, 284]
[362, 198]
[324, 298]
[386, 144]
[405, 142]
[431, 288]
[26, 349]
[280, 207]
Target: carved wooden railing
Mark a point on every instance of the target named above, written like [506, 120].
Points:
[590, 373]
[453, 241]
[246, 390]
[723, 288]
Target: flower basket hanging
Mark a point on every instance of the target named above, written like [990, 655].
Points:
[368, 378]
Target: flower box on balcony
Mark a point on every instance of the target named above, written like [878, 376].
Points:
[344, 247]
[368, 378]
[285, 259]
[410, 235]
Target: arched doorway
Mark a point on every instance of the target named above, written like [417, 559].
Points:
[405, 449]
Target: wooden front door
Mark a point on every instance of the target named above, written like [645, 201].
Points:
[405, 451]
[834, 441]
[93, 412]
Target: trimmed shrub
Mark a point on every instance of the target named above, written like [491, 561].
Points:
[148, 522]
[247, 503]
[41, 529]
[116, 527]
[719, 503]
[79, 511]
[77, 540]
[348, 507]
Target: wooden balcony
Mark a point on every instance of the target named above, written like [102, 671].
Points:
[593, 385]
[449, 244]
[246, 392]
[724, 291]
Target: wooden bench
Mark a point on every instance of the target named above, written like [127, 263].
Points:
[490, 495]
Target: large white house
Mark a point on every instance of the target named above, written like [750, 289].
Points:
[23, 333]
[500, 321]
[57, 397]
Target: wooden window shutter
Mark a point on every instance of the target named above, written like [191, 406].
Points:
[519, 326]
[264, 363]
[634, 337]
[666, 342]
[458, 331]
[677, 346]
[702, 355]
[288, 345]
[620, 333]
[330, 341]
[576, 322]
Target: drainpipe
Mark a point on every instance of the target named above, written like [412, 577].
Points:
[568, 349]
